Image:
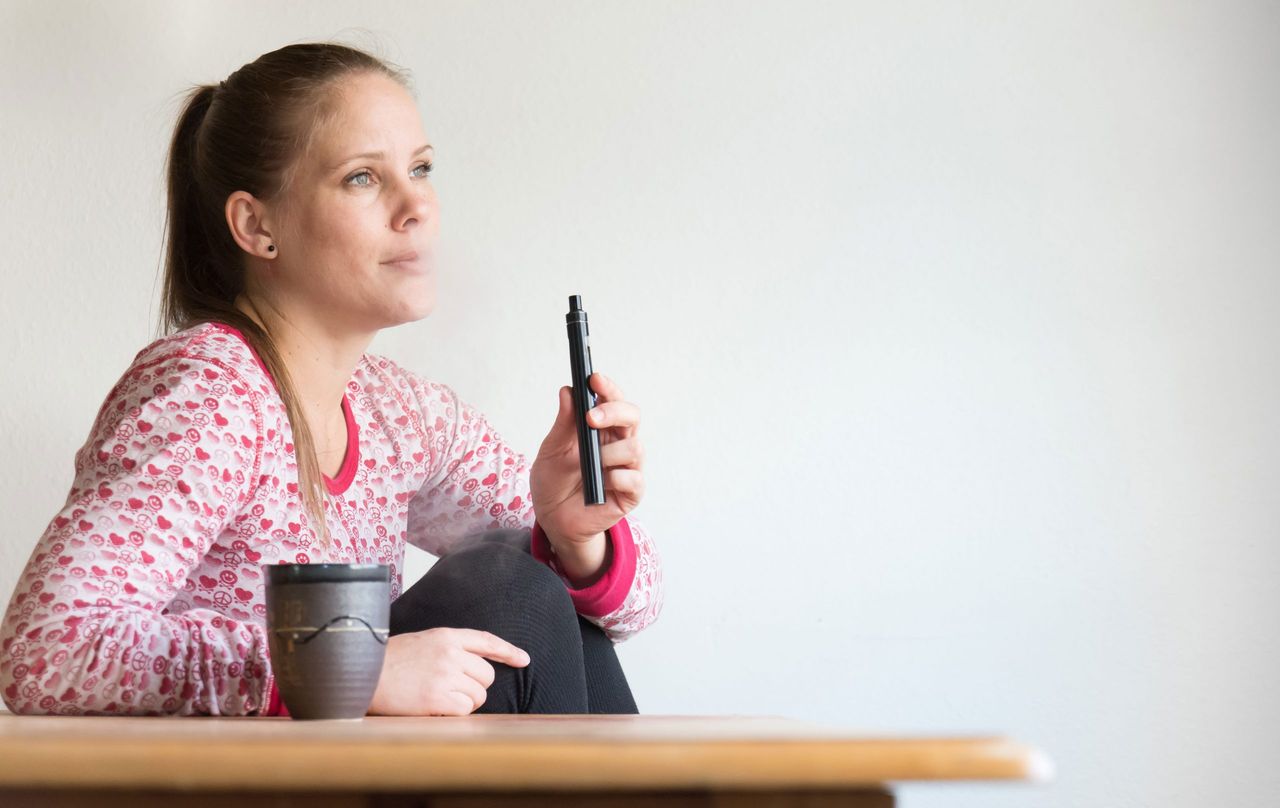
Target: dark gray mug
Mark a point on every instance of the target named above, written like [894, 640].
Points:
[328, 626]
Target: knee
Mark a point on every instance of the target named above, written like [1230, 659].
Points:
[503, 566]
[492, 586]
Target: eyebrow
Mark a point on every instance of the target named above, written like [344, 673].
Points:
[377, 155]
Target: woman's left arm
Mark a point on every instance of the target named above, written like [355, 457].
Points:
[604, 555]
[475, 482]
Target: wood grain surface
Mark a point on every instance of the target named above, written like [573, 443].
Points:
[489, 753]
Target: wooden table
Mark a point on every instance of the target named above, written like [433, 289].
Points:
[532, 761]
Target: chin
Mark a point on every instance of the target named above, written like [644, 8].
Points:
[411, 311]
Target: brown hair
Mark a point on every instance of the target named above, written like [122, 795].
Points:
[249, 133]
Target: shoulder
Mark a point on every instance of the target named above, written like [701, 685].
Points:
[217, 351]
[186, 398]
[194, 371]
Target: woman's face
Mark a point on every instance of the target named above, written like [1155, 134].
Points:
[360, 200]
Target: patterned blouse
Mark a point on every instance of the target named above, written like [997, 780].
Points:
[145, 595]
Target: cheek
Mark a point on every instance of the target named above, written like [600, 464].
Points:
[347, 243]
[313, 242]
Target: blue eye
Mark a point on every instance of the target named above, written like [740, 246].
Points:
[425, 166]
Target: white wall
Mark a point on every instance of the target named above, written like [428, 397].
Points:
[953, 330]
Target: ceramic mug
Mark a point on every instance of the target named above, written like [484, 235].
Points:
[327, 627]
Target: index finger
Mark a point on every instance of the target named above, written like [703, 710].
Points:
[492, 646]
[605, 387]
[619, 414]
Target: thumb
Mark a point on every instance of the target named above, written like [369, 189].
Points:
[564, 417]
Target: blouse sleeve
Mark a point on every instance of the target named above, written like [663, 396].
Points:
[477, 482]
[172, 457]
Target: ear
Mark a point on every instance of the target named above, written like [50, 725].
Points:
[246, 217]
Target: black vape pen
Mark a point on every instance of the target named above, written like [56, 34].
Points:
[583, 400]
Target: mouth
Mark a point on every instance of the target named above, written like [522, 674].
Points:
[409, 261]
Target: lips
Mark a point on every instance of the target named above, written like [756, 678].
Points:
[405, 257]
[409, 262]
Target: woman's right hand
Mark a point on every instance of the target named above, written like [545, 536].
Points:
[440, 671]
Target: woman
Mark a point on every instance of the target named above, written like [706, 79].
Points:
[301, 220]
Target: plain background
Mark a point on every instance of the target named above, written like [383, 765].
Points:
[953, 330]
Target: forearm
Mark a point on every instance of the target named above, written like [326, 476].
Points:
[583, 562]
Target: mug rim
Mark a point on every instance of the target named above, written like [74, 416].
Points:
[293, 573]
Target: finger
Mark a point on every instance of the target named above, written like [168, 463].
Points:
[623, 415]
[477, 668]
[470, 688]
[606, 387]
[492, 646]
[466, 704]
[626, 453]
[625, 481]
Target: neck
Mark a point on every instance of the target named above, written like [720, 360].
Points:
[320, 361]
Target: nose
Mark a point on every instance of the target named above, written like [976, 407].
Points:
[415, 203]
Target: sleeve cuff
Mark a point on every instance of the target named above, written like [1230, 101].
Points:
[608, 593]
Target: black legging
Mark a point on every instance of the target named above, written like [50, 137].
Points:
[491, 582]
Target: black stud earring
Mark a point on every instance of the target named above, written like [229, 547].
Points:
[271, 248]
